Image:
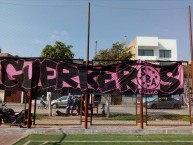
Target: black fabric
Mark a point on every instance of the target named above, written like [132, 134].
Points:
[125, 78]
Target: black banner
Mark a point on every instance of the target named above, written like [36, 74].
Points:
[132, 77]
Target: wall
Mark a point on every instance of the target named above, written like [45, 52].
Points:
[2, 94]
[155, 44]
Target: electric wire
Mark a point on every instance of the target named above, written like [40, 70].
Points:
[42, 5]
[146, 9]
[93, 5]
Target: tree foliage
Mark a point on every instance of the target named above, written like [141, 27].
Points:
[58, 51]
[117, 52]
[187, 71]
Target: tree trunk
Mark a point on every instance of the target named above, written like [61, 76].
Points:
[107, 105]
[49, 103]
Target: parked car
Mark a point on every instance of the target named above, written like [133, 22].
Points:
[164, 103]
[62, 101]
[146, 98]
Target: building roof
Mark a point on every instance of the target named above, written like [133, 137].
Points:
[5, 55]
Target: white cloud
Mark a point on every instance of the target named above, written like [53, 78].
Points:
[58, 35]
[64, 34]
[54, 37]
[38, 41]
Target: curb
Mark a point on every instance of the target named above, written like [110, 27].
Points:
[25, 131]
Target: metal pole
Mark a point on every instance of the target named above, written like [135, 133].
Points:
[81, 110]
[189, 97]
[29, 111]
[86, 111]
[146, 109]
[24, 119]
[88, 35]
[96, 48]
[34, 117]
[190, 105]
[87, 63]
[136, 110]
[141, 111]
[125, 41]
[190, 32]
[191, 53]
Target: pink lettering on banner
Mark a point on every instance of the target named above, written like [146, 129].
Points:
[113, 76]
[77, 80]
[180, 76]
[12, 72]
[66, 84]
[51, 70]
[65, 71]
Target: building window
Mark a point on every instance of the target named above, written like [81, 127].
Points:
[164, 63]
[145, 52]
[165, 53]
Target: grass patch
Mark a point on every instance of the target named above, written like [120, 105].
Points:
[131, 117]
[40, 116]
[177, 117]
[120, 117]
[105, 137]
[172, 117]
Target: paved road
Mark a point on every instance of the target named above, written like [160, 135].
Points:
[130, 109]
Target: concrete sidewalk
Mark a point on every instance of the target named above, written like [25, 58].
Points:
[98, 130]
[9, 136]
[10, 139]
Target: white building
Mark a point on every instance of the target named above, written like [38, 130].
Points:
[153, 48]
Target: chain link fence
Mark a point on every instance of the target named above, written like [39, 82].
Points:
[107, 110]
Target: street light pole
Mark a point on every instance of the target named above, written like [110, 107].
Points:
[96, 48]
[191, 53]
[190, 32]
[88, 35]
[87, 63]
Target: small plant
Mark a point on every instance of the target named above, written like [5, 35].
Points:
[40, 116]
[131, 117]
[176, 117]
[120, 117]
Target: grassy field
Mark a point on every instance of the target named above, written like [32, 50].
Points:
[104, 139]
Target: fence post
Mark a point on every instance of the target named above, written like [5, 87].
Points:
[141, 111]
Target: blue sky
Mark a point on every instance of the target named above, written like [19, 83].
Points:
[26, 26]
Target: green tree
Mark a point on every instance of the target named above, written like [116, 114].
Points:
[187, 71]
[117, 52]
[58, 51]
